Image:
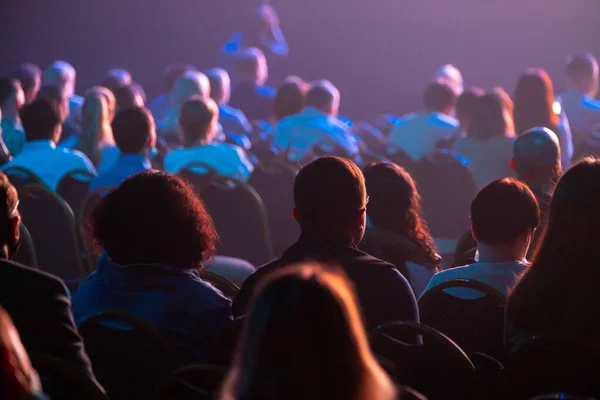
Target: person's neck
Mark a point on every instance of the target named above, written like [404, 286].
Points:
[499, 254]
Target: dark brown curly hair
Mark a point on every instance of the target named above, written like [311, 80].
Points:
[154, 218]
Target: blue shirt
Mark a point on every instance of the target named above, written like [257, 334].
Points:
[126, 166]
[257, 102]
[50, 163]
[188, 311]
[583, 112]
[233, 120]
[13, 136]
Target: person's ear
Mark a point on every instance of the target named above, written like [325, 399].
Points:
[16, 229]
[295, 214]
[513, 164]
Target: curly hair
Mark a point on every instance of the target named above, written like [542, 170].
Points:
[154, 218]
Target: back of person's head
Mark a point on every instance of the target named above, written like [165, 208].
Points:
[291, 97]
[304, 321]
[18, 378]
[96, 117]
[560, 287]
[134, 131]
[116, 77]
[127, 97]
[251, 66]
[452, 74]
[9, 217]
[154, 218]
[55, 96]
[330, 197]
[41, 121]
[11, 96]
[534, 102]
[109, 96]
[324, 96]
[220, 85]
[582, 73]
[198, 121]
[536, 157]
[175, 71]
[30, 76]
[439, 97]
[465, 106]
[140, 93]
[192, 83]
[503, 212]
[61, 74]
[492, 116]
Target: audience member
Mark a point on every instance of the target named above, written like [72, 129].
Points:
[491, 136]
[4, 153]
[40, 155]
[159, 106]
[231, 120]
[37, 302]
[304, 339]
[504, 217]
[317, 124]
[419, 133]
[330, 200]
[18, 379]
[96, 138]
[290, 98]
[465, 108]
[578, 100]
[139, 92]
[109, 96]
[156, 235]
[116, 77]
[453, 76]
[30, 77]
[126, 96]
[559, 290]
[135, 137]
[249, 93]
[63, 75]
[535, 106]
[69, 129]
[11, 101]
[198, 123]
[396, 232]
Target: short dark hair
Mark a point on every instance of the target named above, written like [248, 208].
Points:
[327, 192]
[8, 87]
[27, 74]
[154, 218]
[174, 72]
[438, 95]
[291, 97]
[504, 210]
[466, 102]
[40, 120]
[320, 94]
[132, 129]
[9, 199]
[195, 118]
[52, 94]
[124, 96]
[580, 67]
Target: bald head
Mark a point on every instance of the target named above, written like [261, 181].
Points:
[453, 76]
[220, 85]
[192, 83]
[251, 66]
[116, 77]
[582, 73]
[537, 155]
[324, 96]
[61, 74]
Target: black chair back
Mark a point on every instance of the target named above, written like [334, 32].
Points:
[62, 380]
[19, 176]
[274, 182]
[555, 363]
[399, 156]
[476, 325]
[26, 252]
[438, 367]
[447, 189]
[199, 175]
[73, 188]
[226, 287]
[226, 345]
[51, 223]
[128, 355]
[194, 382]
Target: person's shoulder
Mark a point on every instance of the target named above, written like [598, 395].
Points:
[267, 91]
[446, 121]
[27, 278]
[593, 104]
[406, 118]
[462, 272]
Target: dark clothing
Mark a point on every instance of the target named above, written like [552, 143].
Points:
[544, 196]
[383, 293]
[40, 307]
[188, 311]
[257, 102]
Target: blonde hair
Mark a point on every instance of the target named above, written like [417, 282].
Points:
[110, 99]
[296, 302]
[96, 132]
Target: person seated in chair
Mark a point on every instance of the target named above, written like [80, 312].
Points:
[330, 200]
[156, 236]
[12, 99]
[504, 217]
[42, 124]
[70, 130]
[198, 122]
[133, 130]
[231, 119]
[38, 302]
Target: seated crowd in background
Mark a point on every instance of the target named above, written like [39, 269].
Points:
[365, 254]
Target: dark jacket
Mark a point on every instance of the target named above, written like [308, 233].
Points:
[383, 293]
[40, 307]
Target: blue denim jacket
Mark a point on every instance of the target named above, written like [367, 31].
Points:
[188, 311]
